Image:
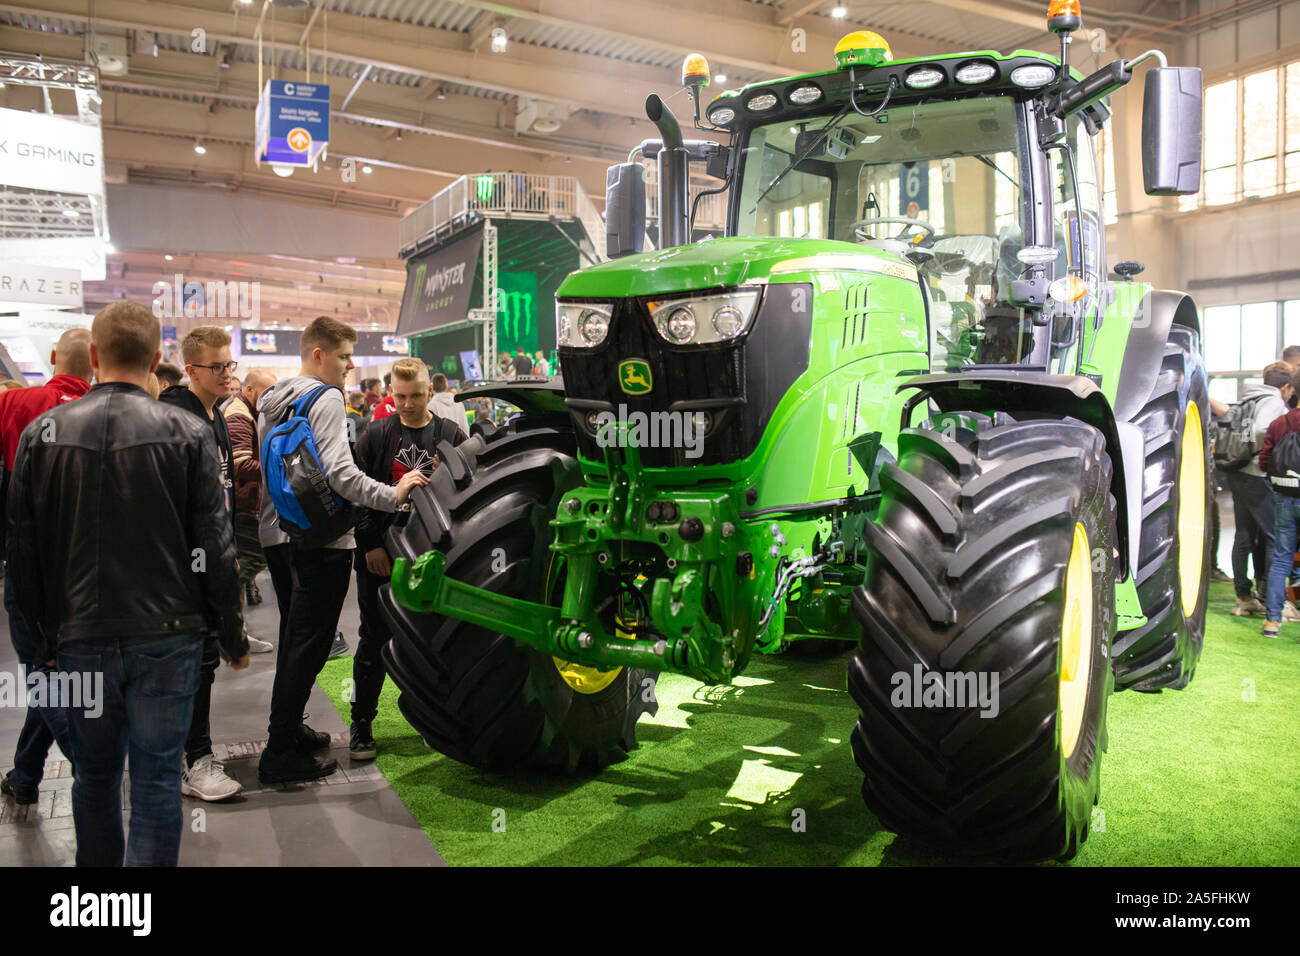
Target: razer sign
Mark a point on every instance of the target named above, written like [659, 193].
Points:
[293, 122]
[439, 284]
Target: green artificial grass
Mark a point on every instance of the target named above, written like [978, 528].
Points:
[1209, 775]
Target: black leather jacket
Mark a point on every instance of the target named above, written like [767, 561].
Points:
[118, 525]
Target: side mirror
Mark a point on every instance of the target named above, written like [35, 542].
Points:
[624, 210]
[1171, 131]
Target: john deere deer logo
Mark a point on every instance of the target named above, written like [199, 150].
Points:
[634, 376]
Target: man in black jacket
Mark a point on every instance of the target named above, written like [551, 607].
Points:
[122, 557]
[206, 350]
[389, 448]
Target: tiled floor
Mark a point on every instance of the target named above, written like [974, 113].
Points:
[352, 818]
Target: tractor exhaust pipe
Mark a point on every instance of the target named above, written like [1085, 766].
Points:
[674, 166]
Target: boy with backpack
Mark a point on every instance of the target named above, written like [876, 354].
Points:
[1280, 460]
[311, 487]
[1245, 426]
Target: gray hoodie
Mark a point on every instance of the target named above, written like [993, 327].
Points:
[328, 420]
[1269, 408]
[444, 405]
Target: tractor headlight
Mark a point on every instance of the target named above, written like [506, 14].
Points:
[761, 103]
[1033, 76]
[722, 115]
[924, 78]
[806, 94]
[976, 72]
[581, 325]
[710, 318]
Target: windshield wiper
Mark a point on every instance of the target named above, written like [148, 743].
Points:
[821, 138]
[994, 166]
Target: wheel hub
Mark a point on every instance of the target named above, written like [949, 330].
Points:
[1076, 641]
[1191, 511]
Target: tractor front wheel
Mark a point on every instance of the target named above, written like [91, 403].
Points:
[987, 614]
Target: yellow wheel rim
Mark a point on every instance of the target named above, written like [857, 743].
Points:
[1076, 641]
[1191, 511]
[583, 680]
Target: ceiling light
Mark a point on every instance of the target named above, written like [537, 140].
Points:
[168, 256]
[838, 12]
[283, 170]
[71, 213]
[499, 40]
[200, 148]
[720, 78]
[367, 170]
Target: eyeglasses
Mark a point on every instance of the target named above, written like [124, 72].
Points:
[216, 368]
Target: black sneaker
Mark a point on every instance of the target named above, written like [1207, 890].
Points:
[362, 743]
[311, 741]
[22, 794]
[339, 648]
[291, 766]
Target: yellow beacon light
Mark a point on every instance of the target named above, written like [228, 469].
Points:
[862, 48]
[695, 71]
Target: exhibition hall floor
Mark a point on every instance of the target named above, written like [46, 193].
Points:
[760, 773]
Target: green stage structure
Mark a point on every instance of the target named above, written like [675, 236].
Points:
[483, 260]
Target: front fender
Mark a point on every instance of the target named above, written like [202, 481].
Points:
[993, 390]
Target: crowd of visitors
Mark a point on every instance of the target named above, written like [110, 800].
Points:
[151, 614]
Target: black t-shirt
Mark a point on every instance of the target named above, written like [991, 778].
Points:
[523, 365]
[416, 450]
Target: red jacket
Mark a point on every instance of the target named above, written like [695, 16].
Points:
[1290, 422]
[384, 409]
[241, 423]
[20, 406]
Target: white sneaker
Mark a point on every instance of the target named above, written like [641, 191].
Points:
[258, 646]
[207, 780]
[1289, 612]
[1247, 606]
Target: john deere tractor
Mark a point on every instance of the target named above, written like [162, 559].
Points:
[901, 403]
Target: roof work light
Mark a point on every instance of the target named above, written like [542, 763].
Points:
[862, 48]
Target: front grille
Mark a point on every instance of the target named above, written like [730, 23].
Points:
[738, 383]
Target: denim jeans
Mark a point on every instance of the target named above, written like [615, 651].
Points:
[43, 725]
[148, 699]
[1286, 515]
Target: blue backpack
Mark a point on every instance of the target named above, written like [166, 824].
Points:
[309, 510]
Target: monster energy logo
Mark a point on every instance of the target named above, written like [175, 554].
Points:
[483, 188]
[439, 281]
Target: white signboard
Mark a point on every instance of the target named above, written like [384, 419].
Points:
[40, 151]
[84, 253]
[39, 285]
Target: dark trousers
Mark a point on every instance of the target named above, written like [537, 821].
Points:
[320, 584]
[367, 665]
[198, 743]
[45, 724]
[280, 564]
[247, 547]
[1252, 510]
[148, 687]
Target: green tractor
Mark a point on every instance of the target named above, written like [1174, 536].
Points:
[899, 404]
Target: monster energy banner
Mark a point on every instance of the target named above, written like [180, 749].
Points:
[439, 284]
[517, 312]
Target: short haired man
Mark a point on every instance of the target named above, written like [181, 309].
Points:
[1286, 521]
[136, 484]
[241, 423]
[44, 724]
[444, 404]
[206, 350]
[169, 375]
[385, 406]
[540, 365]
[1252, 498]
[401, 443]
[311, 583]
[523, 364]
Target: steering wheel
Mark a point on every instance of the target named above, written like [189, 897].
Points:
[910, 224]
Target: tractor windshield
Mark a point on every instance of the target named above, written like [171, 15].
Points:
[941, 182]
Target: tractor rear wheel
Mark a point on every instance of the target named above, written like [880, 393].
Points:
[480, 697]
[990, 565]
[1174, 562]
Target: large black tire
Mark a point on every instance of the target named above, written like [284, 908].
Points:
[480, 697]
[1164, 651]
[968, 571]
